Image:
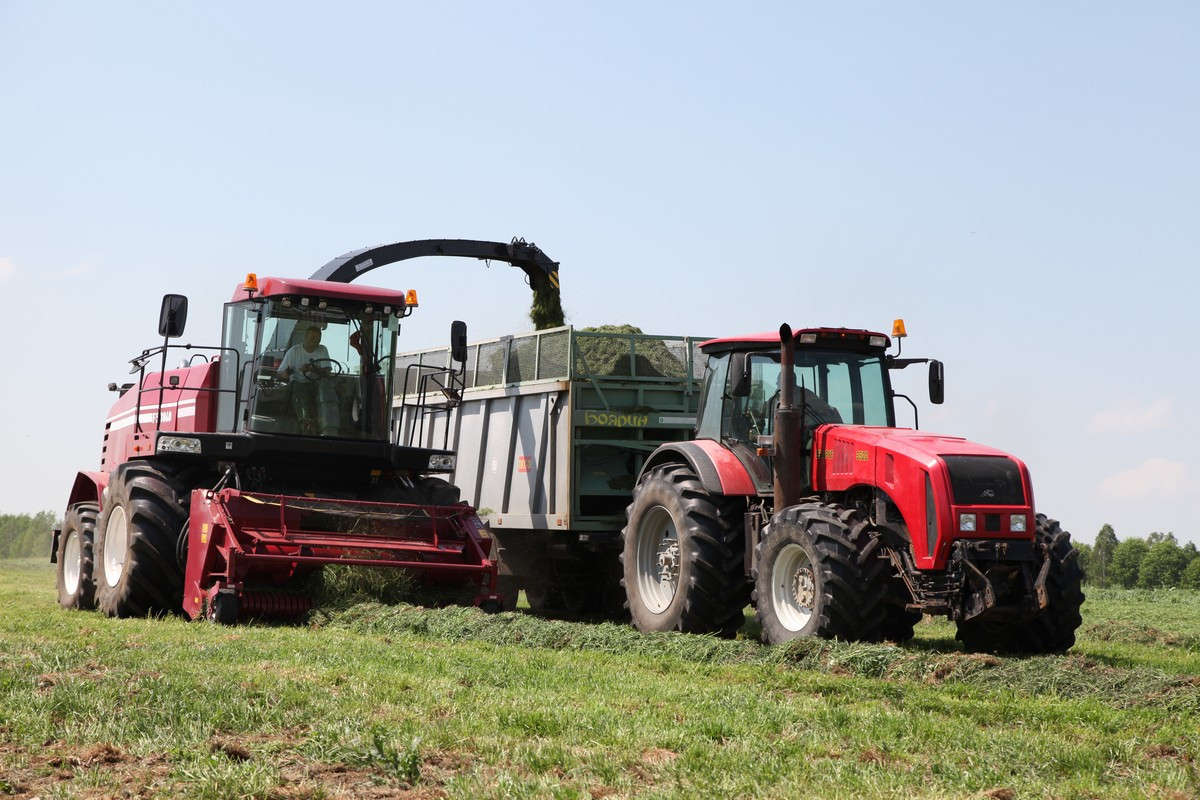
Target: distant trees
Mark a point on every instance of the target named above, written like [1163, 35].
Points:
[25, 535]
[1156, 562]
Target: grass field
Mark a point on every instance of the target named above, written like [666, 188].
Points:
[396, 701]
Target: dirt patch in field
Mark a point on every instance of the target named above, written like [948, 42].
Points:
[57, 768]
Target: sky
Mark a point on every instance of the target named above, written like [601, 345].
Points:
[1019, 181]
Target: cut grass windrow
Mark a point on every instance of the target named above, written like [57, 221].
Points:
[1073, 676]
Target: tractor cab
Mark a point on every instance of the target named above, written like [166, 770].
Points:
[310, 358]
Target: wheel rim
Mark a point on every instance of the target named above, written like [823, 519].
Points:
[793, 587]
[72, 562]
[658, 560]
[116, 542]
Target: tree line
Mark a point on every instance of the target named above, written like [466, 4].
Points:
[26, 535]
[1156, 562]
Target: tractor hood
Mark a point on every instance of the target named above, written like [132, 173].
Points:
[932, 481]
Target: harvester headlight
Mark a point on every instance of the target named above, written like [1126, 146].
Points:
[441, 462]
[966, 523]
[1016, 523]
[178, 444]
[878, 341]
[808, 338]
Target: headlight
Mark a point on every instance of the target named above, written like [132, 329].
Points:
[178, 444]
[441, 462]
[966, 523]
[1016, 523]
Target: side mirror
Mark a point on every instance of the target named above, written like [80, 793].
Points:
[458, 341]
[937, 382]
[739, 373]
[173, 316]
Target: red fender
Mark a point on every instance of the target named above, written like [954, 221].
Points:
[718, 469]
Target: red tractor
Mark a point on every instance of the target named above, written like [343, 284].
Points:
[800, 495]
[263, 459]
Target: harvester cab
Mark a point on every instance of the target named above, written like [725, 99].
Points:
[801, 494]
[263, 459]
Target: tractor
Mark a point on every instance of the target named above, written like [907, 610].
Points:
[800, 495]
[257, 462]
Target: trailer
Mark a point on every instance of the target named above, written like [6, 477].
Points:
[551, 429]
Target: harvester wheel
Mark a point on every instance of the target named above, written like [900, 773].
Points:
[682, 556]
[136, 569]
[76, 584]
[817, 573]
[1052, 631]
[225, 609]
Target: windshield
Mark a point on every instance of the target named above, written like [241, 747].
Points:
[314, 371]
[834, 386]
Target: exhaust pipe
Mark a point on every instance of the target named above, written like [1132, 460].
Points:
[788, 461]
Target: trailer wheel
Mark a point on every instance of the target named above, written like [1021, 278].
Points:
[76, 584]
[1052, 631]
[682, 556]
[816, 574]
[899, 624]
[136, 569]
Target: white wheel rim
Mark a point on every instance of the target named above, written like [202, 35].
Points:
[658, 560]
[72, 562]
[793, 588]
[116, 542]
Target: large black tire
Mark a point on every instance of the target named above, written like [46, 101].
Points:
[76, 585]
[682, 556]
[818, 573]
[1052, 631]
[136, 569]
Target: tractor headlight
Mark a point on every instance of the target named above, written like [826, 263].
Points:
[1016, 523]
[178, 444]
[966, 523]
[441, 462]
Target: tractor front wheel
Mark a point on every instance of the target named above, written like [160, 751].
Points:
[682, 556]
[1052, 631]
[136, 569]
[76, 585]
[816, 574]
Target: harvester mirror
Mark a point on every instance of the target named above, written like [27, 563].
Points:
[739, 374]
[458, 341]
[937, 382]
[173, 316]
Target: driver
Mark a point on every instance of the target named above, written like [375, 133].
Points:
[309, 358]
[304, 365]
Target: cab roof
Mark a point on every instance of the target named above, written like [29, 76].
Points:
[837, 337]
[279, 287]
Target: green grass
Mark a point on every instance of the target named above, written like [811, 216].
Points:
[399, 701]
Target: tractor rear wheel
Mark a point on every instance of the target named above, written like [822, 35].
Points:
[817, 573]
[682, 556]
[76, 585]
[136, 569]
[1052, 631]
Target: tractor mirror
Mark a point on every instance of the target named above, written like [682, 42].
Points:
[739, 373]
[458, 341]
[173, 316]
[937, 382]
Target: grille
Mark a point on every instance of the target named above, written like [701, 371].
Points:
[985, 481]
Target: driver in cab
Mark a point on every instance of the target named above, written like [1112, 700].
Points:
[315, 400]
[309, 359]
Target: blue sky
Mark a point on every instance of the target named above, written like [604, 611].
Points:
[1019, 181]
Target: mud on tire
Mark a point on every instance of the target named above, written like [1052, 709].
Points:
[136, 569]
[818, 573]
[682, 556]
[76, 584]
